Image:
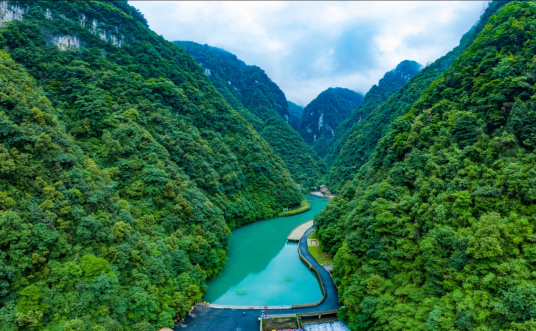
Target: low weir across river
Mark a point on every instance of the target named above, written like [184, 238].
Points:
[263, 268]
[247, 317]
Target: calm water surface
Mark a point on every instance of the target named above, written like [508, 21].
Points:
[260, 258]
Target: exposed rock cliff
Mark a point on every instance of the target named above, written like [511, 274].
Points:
[322, 116]
[11, 10]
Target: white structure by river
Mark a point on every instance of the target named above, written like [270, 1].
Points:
[326, 326]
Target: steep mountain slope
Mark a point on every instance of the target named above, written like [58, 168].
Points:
[437, 230]
[123, 170]
[322, 116]
[350, 153]
[75, 254]
[390, 83]
[295, 112]
[262, 103]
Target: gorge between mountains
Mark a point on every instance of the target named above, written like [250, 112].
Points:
[141, 176]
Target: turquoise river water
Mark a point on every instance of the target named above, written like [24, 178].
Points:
[261, 259]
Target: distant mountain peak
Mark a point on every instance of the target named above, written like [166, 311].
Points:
[390, 83]
[322, 116]
[407, 69]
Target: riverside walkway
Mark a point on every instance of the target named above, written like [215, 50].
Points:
[241, 319]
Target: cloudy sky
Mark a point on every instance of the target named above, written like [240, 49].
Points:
[306, 47]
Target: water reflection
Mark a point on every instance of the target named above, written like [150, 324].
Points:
[259, 261]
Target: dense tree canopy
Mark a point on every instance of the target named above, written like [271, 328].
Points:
[124, 165]
[322, 116]
[436, 231]
[249, 90]
[295, 112]
[357, 137]
[344, 150]
[122, 171]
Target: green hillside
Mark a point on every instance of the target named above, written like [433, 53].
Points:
[341, 153]
[350, 153]
[263, 104]
[436, 231]
[295, 112]
[123, 170]
[322, 116]
[126, 161]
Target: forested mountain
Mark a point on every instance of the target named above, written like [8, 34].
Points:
[263, 104]
[348, 154]
[340, 157]
[436, 231]
[322, 116]
[122, 171]
[295, 112]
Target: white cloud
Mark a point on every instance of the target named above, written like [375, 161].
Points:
[306, 47]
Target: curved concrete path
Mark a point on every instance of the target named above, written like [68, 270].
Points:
[221, 319]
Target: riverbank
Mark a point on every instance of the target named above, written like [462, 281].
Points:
[322, 195]
[261, 269]
[304, 206]
[314, 248]
[212, 319]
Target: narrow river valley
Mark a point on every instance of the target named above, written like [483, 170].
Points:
[263, 268]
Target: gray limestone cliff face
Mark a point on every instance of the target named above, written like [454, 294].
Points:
[322, 115]
[66, 42]
[10, 10]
